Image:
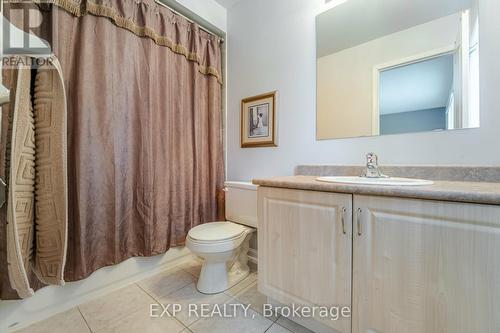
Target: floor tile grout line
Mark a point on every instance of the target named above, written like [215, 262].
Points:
[78, 306]
[275, 323]
[242, 289]
[152, 298]
[180, 322]
[245, 289]
[267, 329]
[230, 298]
[156, 299]
[84, 319]
[150, 294]
[187, 271]
[159, 301]
[109, 324]
[194, 322]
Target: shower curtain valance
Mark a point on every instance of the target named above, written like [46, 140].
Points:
[145, 18]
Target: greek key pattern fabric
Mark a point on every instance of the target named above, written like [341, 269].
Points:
[51, 181]
[21, 174]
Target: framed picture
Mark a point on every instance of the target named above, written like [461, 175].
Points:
[258, 121]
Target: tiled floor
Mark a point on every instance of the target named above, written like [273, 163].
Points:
[128, 310]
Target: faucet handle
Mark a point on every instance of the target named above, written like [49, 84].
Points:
[372, 170]
[371, 158]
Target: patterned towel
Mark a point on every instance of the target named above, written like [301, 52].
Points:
[37, 174]
[51, 175]
[21, 184]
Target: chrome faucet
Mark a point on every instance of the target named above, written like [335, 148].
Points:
[372, 170]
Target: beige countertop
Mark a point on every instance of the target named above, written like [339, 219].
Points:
[471, 192]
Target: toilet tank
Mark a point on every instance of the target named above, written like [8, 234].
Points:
[241, 203]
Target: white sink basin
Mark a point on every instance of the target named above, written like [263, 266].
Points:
[391, 181]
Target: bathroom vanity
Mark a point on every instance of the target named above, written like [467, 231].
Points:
[406, 259]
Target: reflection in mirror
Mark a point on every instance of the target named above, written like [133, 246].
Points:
[391, 67]
[416, 97]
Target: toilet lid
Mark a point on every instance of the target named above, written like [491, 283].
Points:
[216, 231]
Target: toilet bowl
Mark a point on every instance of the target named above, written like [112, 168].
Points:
[224, 245]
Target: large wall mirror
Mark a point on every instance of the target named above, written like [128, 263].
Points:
[397, 66]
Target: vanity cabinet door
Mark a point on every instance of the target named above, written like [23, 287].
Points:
[305, 249]
[425, 266]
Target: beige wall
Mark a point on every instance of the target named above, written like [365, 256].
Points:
[345, 79]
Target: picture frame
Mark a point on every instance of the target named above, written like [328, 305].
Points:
[258, 121]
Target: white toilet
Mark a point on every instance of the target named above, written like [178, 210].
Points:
[224, 245]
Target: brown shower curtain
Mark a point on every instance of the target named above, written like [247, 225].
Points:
[145, 150]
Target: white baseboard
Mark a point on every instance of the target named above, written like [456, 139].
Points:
[52, 300]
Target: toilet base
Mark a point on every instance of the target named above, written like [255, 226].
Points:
[222, 271]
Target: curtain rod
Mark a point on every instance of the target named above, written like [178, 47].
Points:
[158, 2]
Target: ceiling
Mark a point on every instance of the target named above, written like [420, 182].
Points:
[358, 21]
[420, 86]
[227, 3]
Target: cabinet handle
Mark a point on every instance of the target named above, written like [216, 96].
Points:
[342, 218]
[360, 211]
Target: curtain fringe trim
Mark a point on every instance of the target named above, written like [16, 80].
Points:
[81, 9]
